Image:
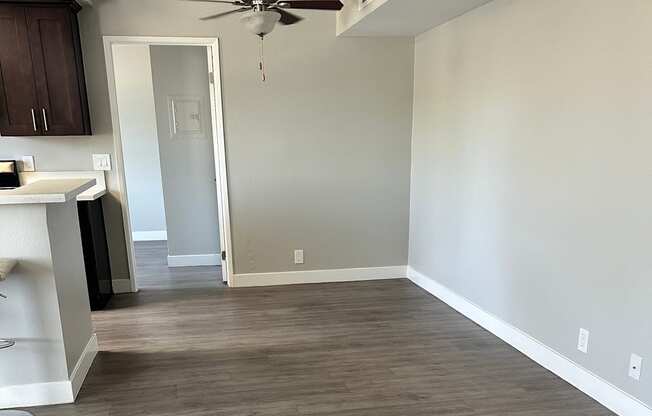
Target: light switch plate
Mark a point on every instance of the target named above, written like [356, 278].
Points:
[28, 164]
[635, 364]
[102, 162]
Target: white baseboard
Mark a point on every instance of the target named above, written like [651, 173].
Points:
[599, 389]
[58, 392]
[121, 286]
[37, 394]
[195, 260]
[150, 235]
[319, 276]
[84, 364]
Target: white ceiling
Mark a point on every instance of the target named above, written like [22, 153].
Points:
[410, 17]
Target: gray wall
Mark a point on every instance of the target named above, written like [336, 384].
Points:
[531, 172]
[187, 164]
[323, 166]
[30, 312]
[135, 94]
[47, 310]
[70, 277]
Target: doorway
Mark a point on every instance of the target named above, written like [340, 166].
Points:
[167, 116]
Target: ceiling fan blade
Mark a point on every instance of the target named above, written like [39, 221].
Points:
[235, 3]
[310, 4]
[216, 16]
[287, 18]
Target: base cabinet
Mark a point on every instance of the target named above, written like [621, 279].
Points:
[96, 253]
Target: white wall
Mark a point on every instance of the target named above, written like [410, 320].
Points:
[531, 172]
[135, 94]
[352, 13]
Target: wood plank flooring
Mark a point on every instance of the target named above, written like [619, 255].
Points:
[152, 270]
[383, 348]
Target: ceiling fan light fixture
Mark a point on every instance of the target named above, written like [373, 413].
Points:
[261, 22]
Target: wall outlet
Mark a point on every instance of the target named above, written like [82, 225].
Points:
[28, 164]
[635, 364]
[583, 341]
[298, 256]
[102, 162]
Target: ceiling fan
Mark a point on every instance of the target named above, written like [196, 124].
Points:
[262, 15]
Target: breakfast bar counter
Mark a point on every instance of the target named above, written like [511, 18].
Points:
[47, 309]
[46, 191]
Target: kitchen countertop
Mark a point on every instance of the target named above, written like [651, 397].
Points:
[46, 191]
[98, 190]
[94, 192]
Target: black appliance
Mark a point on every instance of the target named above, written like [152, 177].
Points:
[9, 174]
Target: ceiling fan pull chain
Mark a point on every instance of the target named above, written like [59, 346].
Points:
[262, 58]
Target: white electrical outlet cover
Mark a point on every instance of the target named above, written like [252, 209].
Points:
[635, 364]
[28, 164]
[583, 341]
[298, 256]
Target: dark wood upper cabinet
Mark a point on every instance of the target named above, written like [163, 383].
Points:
[42, 87]
[18, 102]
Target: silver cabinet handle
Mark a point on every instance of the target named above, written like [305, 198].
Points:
[34, 120]
[45, 120]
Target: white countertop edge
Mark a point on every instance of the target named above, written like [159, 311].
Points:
[92, 193]
[61, 191]
[95, 192]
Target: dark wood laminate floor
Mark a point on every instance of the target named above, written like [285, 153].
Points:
[152, 270]
[383, 348]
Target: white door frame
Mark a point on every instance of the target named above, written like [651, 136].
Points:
[219, 145]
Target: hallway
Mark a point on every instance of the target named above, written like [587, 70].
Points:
[152, 270]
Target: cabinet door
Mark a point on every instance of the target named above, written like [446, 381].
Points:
[18, 102]
[58, 74]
